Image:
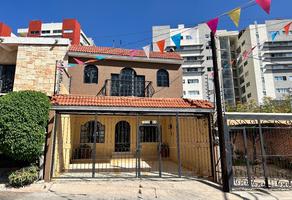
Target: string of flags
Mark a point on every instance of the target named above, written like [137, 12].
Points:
[234, 15]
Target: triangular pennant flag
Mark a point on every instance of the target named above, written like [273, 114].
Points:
[287, 28]
[79, 62]
[133, 52]
[90, 61]
[246, 53]
[100, 57]
[71, 65]
[213, 24]
[265, 5]
[147, 50]
[176, 40]
[274, 35]
[235, 16]
[161, 45]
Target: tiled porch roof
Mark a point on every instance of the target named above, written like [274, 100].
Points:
[122, 52]
[138, 102]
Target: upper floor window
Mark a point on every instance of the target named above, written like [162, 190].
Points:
[190, 81]
[282, 90]
[87, 132]
[162, 78]
[194, 92]
[128, 83]
[90, 74]
[280, 78]
[188, 37]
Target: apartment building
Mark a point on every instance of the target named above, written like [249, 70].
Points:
[226, 43]
[197, 55]
[69, 28]
[267, 72]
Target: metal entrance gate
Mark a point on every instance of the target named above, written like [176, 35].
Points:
[261, 153]
[105, 146]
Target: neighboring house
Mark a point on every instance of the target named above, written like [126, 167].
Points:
[30, 64]
[125, 117]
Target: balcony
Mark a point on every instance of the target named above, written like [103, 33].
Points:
[118, 87]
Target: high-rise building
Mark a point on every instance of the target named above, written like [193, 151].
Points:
[197, 56]
[251, 64]
[226, 42]
[69, 28]
[267, 71]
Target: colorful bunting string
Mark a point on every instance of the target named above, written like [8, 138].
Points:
[235, 16]
[287, 28]
[265, 4]
[100, 57]
[213, 24]
[79, 62]
[90, 61]
[133, 53]
[274, 35]
[176, 40]
[147, 50]
[161, 45]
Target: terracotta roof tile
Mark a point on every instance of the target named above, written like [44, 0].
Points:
[122, 52]
[141, 102]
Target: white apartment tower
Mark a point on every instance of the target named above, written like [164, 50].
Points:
[267, 72]
[197, 55]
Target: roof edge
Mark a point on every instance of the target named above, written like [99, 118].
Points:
[126, 58]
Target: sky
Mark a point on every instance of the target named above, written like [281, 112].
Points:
[131, 21]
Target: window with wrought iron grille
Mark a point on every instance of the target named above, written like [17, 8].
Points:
[149, 134]
[90, 74]
[162, 78]
[127, 83]
[87, 132]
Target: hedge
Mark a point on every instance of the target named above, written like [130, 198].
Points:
[23, 120]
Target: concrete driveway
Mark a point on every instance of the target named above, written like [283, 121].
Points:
[113, 189]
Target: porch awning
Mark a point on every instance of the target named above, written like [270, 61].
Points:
[71, 103]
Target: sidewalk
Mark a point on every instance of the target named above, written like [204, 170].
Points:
[178, 189]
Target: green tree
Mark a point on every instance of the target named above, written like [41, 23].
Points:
[23, 120]
[269, 105]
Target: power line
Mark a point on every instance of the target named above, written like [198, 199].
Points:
[244, 6]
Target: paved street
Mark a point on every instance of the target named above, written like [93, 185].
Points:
[134, 189]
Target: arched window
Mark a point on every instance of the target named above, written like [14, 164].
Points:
[90, 74]
[162, 78]
[87, 132]
[122, 136]
[127, 83]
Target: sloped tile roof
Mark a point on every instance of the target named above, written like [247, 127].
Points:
[123, 52]
[139, 102]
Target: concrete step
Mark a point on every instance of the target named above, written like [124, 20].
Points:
[117, 155]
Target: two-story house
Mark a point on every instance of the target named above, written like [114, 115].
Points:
[115, 113]
[125, 116]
